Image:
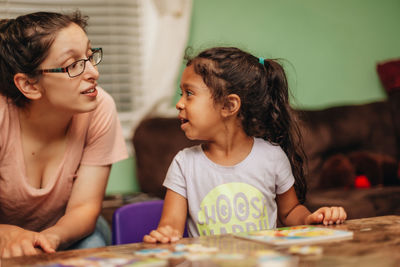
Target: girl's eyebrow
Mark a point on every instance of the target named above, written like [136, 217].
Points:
[185, 85]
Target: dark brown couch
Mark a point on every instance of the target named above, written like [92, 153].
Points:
[341, 143]
[341, 130]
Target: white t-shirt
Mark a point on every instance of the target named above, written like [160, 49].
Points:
[229, 199]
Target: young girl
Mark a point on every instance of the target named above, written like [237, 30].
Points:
[59, 135]
[247, 172]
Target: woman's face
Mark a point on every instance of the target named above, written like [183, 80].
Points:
[59, 91]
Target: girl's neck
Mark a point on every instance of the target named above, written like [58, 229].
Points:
[230, 149]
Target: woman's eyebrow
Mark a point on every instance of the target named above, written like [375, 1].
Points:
[70, 52]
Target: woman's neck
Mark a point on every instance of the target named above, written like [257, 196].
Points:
[44, 124]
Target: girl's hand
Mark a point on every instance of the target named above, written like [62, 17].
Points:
[16, 241]
[164, 234]
[327, 215]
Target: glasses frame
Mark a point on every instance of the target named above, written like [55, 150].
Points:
[63, 70]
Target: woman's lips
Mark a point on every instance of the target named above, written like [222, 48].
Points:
[90, 92]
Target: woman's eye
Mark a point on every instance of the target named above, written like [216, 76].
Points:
[73, 65]
[189, 93]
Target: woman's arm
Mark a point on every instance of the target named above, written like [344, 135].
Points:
[79, 220]
[16, 241]
[291, 212]
[83, 207]
[172, 222]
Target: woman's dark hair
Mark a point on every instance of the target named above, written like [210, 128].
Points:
[24, 45]
[263, 89]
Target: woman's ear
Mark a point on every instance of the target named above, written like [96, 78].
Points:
[27, 86]
[231, 105]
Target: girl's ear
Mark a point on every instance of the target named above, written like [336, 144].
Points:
[231, 105]
[27, 86]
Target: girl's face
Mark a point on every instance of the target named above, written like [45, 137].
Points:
[59, 91]
[200, 116]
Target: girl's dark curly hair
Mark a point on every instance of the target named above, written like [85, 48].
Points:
[263, 89]
[24, 45]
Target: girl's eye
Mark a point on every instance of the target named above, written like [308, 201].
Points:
[187, 93]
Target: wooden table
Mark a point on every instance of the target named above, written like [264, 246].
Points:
[376, 242]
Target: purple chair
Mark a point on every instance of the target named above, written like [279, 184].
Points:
[132, 221]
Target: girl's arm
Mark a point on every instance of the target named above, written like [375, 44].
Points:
[83, 207]
[172, 222]
[291, 212]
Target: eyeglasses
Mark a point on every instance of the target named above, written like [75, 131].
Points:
[78, 67]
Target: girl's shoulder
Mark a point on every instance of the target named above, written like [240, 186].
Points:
[268, 149]
[189, 153]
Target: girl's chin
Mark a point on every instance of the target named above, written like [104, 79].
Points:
[193, 137]
[189, 136]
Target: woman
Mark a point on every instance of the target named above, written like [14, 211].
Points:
[59, 134]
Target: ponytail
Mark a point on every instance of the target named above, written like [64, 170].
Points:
[282, 127]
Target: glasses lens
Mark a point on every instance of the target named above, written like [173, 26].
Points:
[76, 68]
[96, 57]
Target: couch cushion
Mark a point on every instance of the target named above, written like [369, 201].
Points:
[358, 203]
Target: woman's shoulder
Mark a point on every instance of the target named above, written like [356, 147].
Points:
[4, 102]
[106, 107]
[104, 97]
[4, 108]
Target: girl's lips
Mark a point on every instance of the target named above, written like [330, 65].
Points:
[183, 121]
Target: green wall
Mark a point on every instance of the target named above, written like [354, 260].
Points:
[330, 48]
[123, 178]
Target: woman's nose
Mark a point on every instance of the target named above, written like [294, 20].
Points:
[91, 70]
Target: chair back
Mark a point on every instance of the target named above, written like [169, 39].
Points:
[132, 221]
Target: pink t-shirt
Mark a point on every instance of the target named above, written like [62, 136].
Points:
[94, 138]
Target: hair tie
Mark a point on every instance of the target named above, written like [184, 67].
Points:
[263, 62]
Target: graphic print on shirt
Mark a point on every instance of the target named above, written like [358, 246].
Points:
[232, 208]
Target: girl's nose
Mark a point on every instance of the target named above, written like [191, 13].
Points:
[179, 105]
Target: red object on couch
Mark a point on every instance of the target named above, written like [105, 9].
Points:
[389, 73]
[362, 181]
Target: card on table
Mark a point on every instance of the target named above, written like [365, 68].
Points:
[296, 235]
